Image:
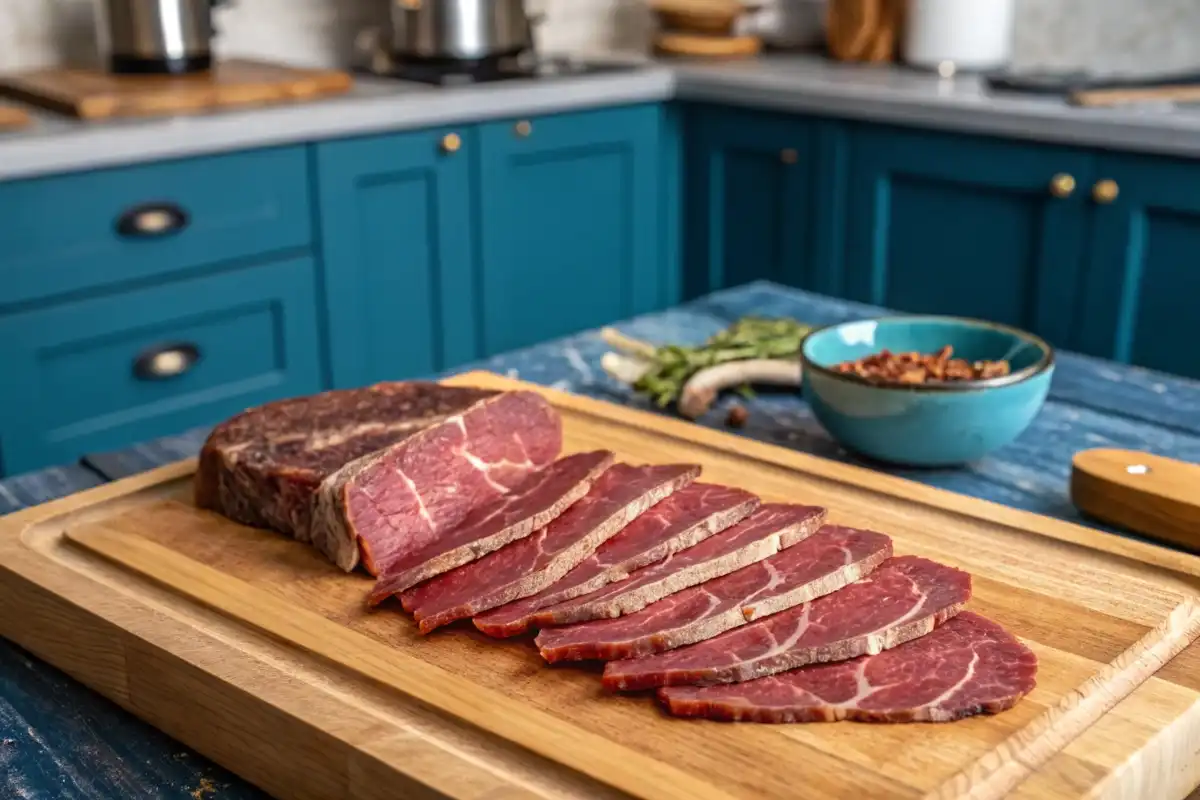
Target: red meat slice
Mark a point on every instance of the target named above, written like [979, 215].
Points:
[537, 502]
[968, 666]
[905, 598]
[531, 564]
[392, 503]
[684, 519]
[765, 532]
[823, 563]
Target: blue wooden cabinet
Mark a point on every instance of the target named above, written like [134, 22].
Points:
[957, 224]
[93, 230]
[398, 220]
[571, 223]
[1141, 291]
[107, 371]
[749, 194]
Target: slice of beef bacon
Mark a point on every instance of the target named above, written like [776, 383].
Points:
[905, 598]
[529, 565]
[534, 504]
[683, 520]
[823, 563]
[970, 665]
[391, 504]
[764, 533]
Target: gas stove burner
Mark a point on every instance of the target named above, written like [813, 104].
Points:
[458, 72]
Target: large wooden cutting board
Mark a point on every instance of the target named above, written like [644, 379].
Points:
[251, 649]
[94, 94]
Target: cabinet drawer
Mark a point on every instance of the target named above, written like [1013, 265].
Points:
[104, 373]
[79, 231]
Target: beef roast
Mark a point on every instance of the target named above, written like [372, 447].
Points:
[905, 598]
[394, 502]
[970, 665]
[529, 565]
[765, 532]
[537, 502]
[684, 519]
[263, 466]
[825, 562]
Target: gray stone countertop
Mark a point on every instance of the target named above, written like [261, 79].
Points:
[800, 83]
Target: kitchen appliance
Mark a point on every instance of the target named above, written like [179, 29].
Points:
[949, 36]
[460, 30]
[171, 37]
[378, 60]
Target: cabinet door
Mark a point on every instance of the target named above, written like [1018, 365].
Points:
[397, 231]
[955, 224]
[747, 191]
[105, 372]
[571, 222]
[1142, 288]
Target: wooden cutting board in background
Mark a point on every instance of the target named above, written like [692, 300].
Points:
[95, 94]
[253, 650]
[13, 117]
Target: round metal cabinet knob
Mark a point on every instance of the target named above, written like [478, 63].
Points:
[789, 156]
[1062, 185]
[167, 361]
[1105, 191]
[523, 128]
[451, 143]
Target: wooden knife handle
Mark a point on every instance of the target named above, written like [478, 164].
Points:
[1098, 98]
[1148, 494]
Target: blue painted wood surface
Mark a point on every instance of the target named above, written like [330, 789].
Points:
[397, 220]
[571, 223]
[59, 234]
[1142, 284]
[60, 740]
[255, 330]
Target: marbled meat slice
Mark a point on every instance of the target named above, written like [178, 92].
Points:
[771, 528]
[531, 564]
[263, 466]
[823, 563]
[537, 502]
[905, 598]
[968, 666]
[395, 501]
[684, 519]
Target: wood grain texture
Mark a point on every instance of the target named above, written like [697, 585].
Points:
[227, 629]
[13, 117]
[95, 94]
[1156, 496]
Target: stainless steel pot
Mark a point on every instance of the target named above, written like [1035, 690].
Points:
[460, 29]
[156, 36]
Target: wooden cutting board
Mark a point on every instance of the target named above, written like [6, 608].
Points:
[13, 117]
[251, 649]
[95, 94]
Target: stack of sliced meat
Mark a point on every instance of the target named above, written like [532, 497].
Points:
[728, 607]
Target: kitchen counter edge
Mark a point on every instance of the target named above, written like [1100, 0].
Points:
[799, 84]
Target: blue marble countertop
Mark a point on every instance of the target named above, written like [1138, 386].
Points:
[59, 740]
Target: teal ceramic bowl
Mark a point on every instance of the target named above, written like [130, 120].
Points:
[933, 424]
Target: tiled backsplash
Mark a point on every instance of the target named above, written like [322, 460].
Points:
[1106, 34]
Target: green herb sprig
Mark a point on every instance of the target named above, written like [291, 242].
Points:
[751, 337]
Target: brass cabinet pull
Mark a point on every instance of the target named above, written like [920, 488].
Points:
[523, 128]
[1105, 191]
[167, 361]
[789, 156]
[451, 143]
[152, 220]
[1062, 185]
